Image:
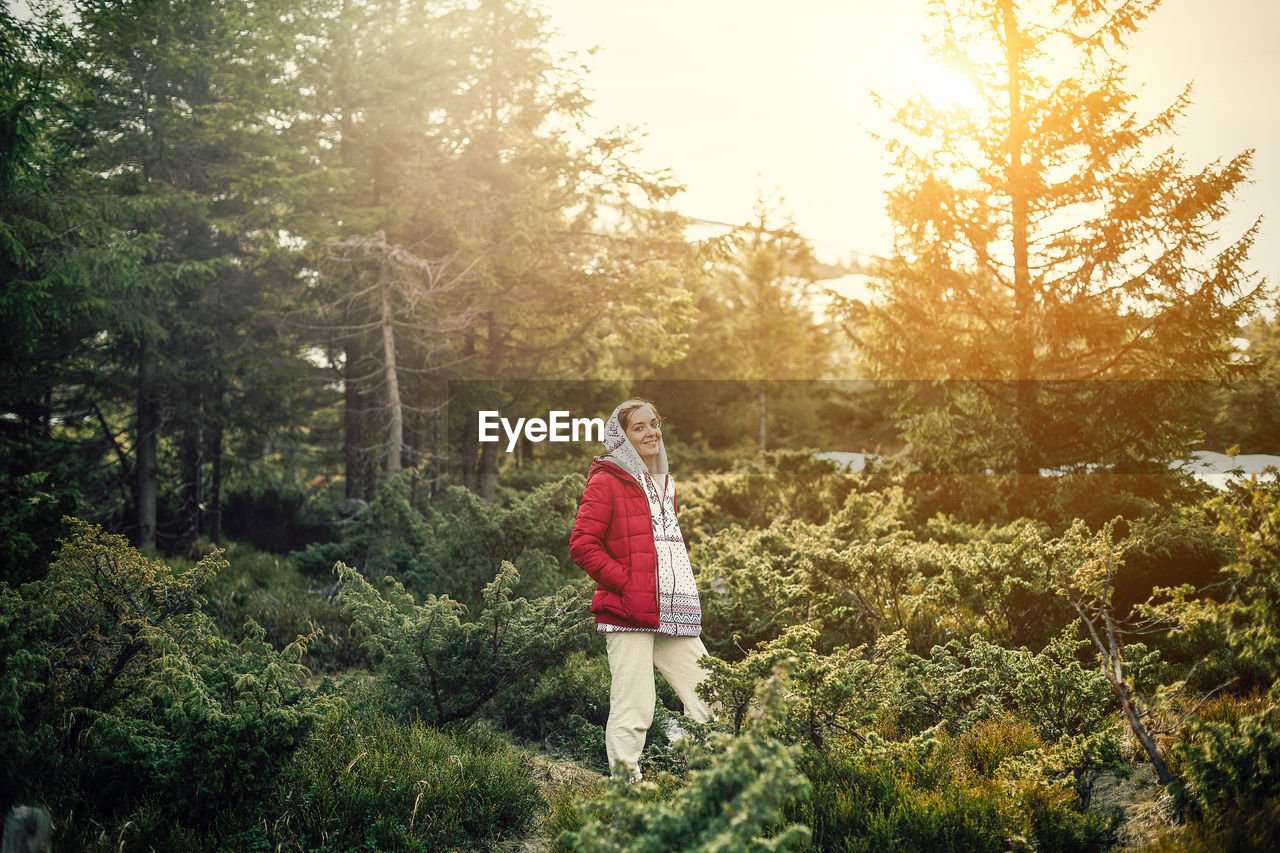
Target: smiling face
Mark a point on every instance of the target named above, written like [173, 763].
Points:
[644, 431]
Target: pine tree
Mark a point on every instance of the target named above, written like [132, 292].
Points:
[453, 130]
[379, 80]
[775, 325]
[575, 265]
[1248, 411]
[1046, 249]
[755, 324]
[173, 127]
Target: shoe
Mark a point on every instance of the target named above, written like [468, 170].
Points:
[630, 778]
[675, 732]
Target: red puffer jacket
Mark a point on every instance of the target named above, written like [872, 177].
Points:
[612, 541]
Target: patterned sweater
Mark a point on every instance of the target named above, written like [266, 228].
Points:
[679, 611]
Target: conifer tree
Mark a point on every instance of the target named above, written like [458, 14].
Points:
[767, 285]
[1046, 248]
[575, 265]
[44, 306]
[171, 131]
[1248, 411]
[755, 324]
[453, 130]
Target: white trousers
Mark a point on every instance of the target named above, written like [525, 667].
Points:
[633, 655]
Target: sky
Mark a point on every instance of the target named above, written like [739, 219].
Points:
[742, 96]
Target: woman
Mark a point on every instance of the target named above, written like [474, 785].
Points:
[627, 539]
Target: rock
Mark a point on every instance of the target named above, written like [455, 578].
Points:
[26, 830]
[351, 507]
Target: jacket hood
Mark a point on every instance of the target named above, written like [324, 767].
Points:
[619, 451]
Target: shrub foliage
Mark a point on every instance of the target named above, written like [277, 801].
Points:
[440, 665]
[120, 690]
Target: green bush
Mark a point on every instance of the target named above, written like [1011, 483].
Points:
[1002, 588]
[1249, 516]
[847, 692]
[755, 583]
[989, 742]
[734, 799]
[1168, 551]
[752, 584]
[436, 665]
[939, 793]
[780, 485]
[267, 590]
[564, 708]
[468, 537]
[382, 539]
[1232, 764]
[31, 513]
[982, 498]
[450, 545]
[123, 697]
[886, 805]
[832, 696]
[961, 683]
[273, 513]
[368, 781]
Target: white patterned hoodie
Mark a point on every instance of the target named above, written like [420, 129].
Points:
[679, 611]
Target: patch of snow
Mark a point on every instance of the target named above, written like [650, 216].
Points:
[1218, 469]
[851, 462]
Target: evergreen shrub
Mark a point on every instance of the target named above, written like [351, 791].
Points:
[32, 513]
[123, 700]
[267, 590]
[941, 793]
[449, 545]
[381, 539]
[1002, 587]
[271, 512]
[752, 584]
[735, 798]
[435, 663]
[370, 781]
[1231, 764]
[783, 484]
[1167, 551]
[565, 708]
[468, 537]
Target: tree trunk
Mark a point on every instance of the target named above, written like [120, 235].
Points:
[359, 474]
[215, 484]
[438, 434]
[487, 481]
[467, 459]
[395, 413]
[148, 424]
[762, 403]
[191, 466]
[1121, 689]
[1112, 666]
[487, 476]
[1025, 461]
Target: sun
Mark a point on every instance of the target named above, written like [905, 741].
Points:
[945, 88]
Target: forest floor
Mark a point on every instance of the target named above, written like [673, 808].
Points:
[1146, 807]
[559, 779]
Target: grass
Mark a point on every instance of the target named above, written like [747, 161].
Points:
[269, 590]
[368, 781]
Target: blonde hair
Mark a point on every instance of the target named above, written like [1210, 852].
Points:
[625, 410]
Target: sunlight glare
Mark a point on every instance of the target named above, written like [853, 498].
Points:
[945, 88]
